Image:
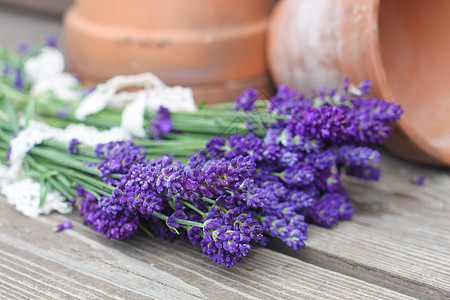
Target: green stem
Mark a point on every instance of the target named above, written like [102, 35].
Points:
[90, 188]
[148, 232]
[68, 193]
[93, 181]
[4, 136]
[179, 221]
[85, 152]
[209, 200]
[201, 213]
[63, 159]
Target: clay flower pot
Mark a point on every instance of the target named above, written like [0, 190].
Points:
[215, 46]
[401, 45]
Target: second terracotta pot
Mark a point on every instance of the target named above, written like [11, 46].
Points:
[401, 45]
[215, 46]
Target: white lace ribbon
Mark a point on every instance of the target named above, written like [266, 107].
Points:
[25, 193]
[63, 86]
[132, 120]
[47, 63]
[154, 93]
[35, 134]
[46, 71]
[105, 93]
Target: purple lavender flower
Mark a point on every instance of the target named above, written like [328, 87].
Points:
[51, 41]
[71, 148]
[90, 164]
[228, 236]
[65, 225]
[245, 145]
[419, 180]
[250, 194]
[333, 183]
[195, 235]
[143, 188]
[19, 81]
[246, 101]
[364, 172]
[6, 70]
[119, 157]
[61, 114]
[329, 122]
[300, 199]
[292, 232]
[24, 47]
[330, 209]
[214, 147]
[284, 100]
[161, 123]
[331, 93]
[163, 161]
[365, 86]
[8, 154]
[357, 156]
[275, 190]
[290, 158]
[370, 117]
[323, 160]
[346, 84]
[171, 221]
[299, 175]
[121, 225]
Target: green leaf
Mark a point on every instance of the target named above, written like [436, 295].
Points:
[173, 228]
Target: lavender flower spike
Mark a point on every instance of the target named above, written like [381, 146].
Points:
[65, 225]
[19, 82]
[246, 101]
[161, 123]
[71, 149]
[51, 41]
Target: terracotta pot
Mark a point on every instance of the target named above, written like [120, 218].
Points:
[215, 46]
[401, 45]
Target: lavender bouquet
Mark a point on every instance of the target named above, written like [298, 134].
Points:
[226, 177]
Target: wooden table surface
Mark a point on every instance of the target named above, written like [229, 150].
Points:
[396, 247]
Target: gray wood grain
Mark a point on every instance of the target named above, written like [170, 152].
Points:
[399, 237]
[398, 243]
[36, 262]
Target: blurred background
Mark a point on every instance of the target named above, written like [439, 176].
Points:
[221, 47]
[30, 20]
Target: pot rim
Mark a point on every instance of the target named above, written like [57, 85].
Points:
[430, 153]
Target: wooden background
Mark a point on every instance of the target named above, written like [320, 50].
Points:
[396, 247]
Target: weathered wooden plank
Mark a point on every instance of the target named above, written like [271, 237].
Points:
[80, 263]
[399, 237]
[13, 290]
